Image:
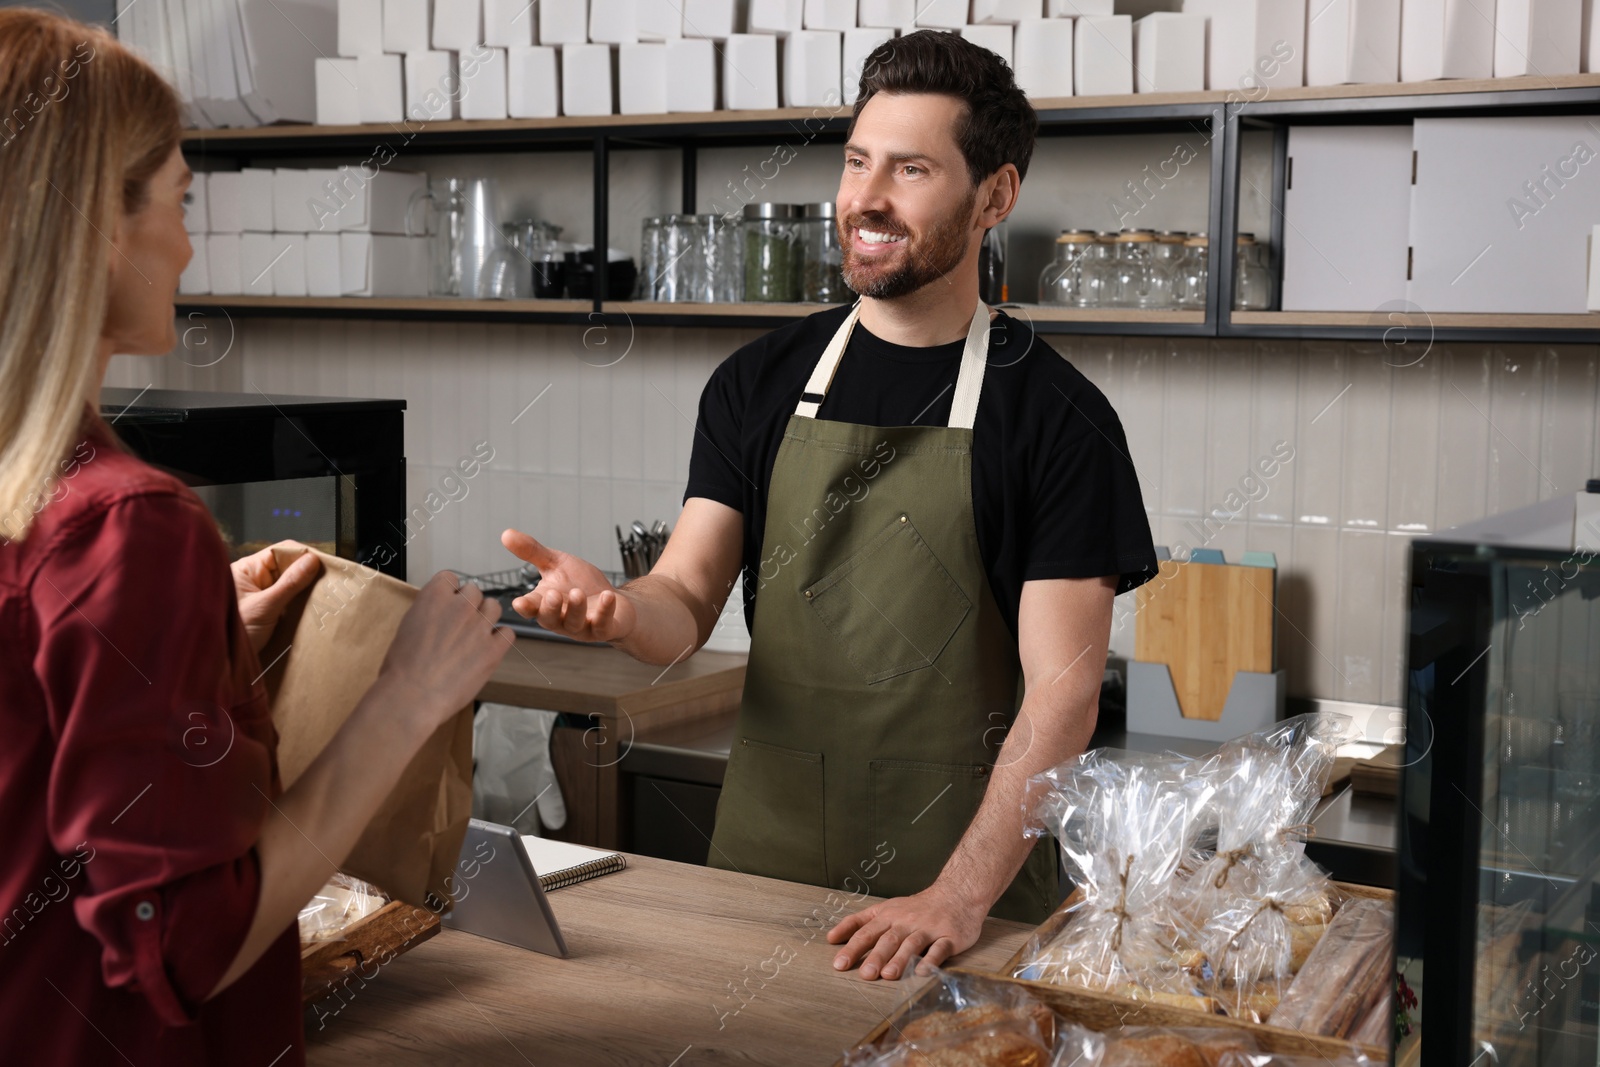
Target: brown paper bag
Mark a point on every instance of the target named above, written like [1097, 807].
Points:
[336, 634]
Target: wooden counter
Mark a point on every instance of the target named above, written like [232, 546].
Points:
[656, 953]
[628, 701]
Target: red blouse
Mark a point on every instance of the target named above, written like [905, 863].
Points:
[136, 764]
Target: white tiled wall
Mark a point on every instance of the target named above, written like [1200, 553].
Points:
[1382, 450]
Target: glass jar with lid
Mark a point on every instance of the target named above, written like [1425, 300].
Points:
[1252, 284]
[772, 253]
[1189, 274]
[724, 235]
[1062, 277]
[1094, 289]
[822, 257]
[1132, 269]
[1165, 254]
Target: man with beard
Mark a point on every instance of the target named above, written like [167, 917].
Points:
[929, 507]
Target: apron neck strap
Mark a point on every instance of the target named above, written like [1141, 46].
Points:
[969, 383]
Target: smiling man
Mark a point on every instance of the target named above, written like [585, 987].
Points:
[932, 511]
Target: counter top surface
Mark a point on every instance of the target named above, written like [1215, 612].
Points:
[604, 681]
[657, 951]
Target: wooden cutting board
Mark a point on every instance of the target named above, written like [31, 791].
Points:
[1205, 621]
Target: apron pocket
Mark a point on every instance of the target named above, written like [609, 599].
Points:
[770, 815]
[892, 606]
[920, 810]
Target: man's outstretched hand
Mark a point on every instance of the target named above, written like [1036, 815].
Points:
[886, 938]
[573, 596]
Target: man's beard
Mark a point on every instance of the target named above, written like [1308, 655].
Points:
[922, 260]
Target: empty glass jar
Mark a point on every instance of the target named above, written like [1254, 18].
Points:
[1132, 270]
[1062, 278]
[1252, 284]
[1189, 274]
[1096, 271]
[821, 276]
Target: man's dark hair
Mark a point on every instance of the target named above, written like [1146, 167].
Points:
[999, 125]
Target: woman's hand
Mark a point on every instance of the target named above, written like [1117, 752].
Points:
[445, 650]
[263, 593]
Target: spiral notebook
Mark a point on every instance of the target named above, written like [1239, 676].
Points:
[559, 863]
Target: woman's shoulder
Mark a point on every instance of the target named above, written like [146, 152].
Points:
[96, 487]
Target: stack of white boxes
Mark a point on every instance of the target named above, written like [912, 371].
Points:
[293, 232]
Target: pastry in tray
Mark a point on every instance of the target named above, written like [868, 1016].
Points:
[1138, 1046]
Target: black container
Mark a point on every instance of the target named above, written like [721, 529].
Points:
[549, 279]
[621, 276]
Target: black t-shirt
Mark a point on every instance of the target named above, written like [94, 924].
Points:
[1054, 492]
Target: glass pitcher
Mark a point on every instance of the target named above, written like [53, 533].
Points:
[469, 251]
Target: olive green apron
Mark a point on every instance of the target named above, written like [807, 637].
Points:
[882, 677]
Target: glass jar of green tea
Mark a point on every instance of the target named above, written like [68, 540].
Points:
[773, 253]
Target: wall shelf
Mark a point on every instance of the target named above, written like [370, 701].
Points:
[1220, 115]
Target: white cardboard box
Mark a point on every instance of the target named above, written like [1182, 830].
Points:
[1010, 12]
[483, 84]
[457, 25]
[1537, 37]
[887, 14]
[407, 26]
[1501, 213]
[325, 199]
[1446, 39]
[196, 216]
[288, 264]
[942, 14]
[432, 86]
[1590, 42]
[615, 21]
[509, 23]
[660, 22]
[291, 192]
[1102, 55]
[691, 75]
[382, 84]
[255, 263]
[222, 264]
[642, 78]
[532, 90]
[196, 277]
[861, 43]
[996, 37]
[749, 71]
[1042, 57]
[223, 210]
[714, 19]
[586, 79]
[837, 15]
[360, 27]
[1352, 41]
[255, 199]
[563, 21]
[1169, 53]
[1348, 209]
[811, 72]
[1253, 43]
[1594, 269]
[776, 16]
[322, 264]
[1060, 9]
[338, 92]
[383, 265]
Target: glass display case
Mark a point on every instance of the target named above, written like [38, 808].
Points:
[1498, 924]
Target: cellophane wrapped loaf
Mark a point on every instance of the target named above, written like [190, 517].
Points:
[1126, 824]
[972, 1021]
[1259, 904]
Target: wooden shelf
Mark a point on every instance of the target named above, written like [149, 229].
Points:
[1043, 313]
[421, 307]
[1417, 320]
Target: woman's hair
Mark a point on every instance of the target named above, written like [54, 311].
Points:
[998, 127]
[84, 125]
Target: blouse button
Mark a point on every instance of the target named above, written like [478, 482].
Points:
[145, 911]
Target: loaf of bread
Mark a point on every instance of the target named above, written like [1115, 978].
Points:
[1169, 1047]
[1347, 971]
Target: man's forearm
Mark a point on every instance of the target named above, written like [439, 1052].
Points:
[672, 621]
[993, 849]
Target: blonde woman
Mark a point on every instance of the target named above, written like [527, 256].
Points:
[148, 900]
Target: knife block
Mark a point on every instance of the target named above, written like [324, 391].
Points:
[1255, 701]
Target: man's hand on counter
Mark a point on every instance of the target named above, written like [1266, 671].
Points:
[573, 596]
[886, 938]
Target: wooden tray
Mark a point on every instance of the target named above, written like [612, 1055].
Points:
[1380, 775]
[370, 943]
[1104, 1013]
